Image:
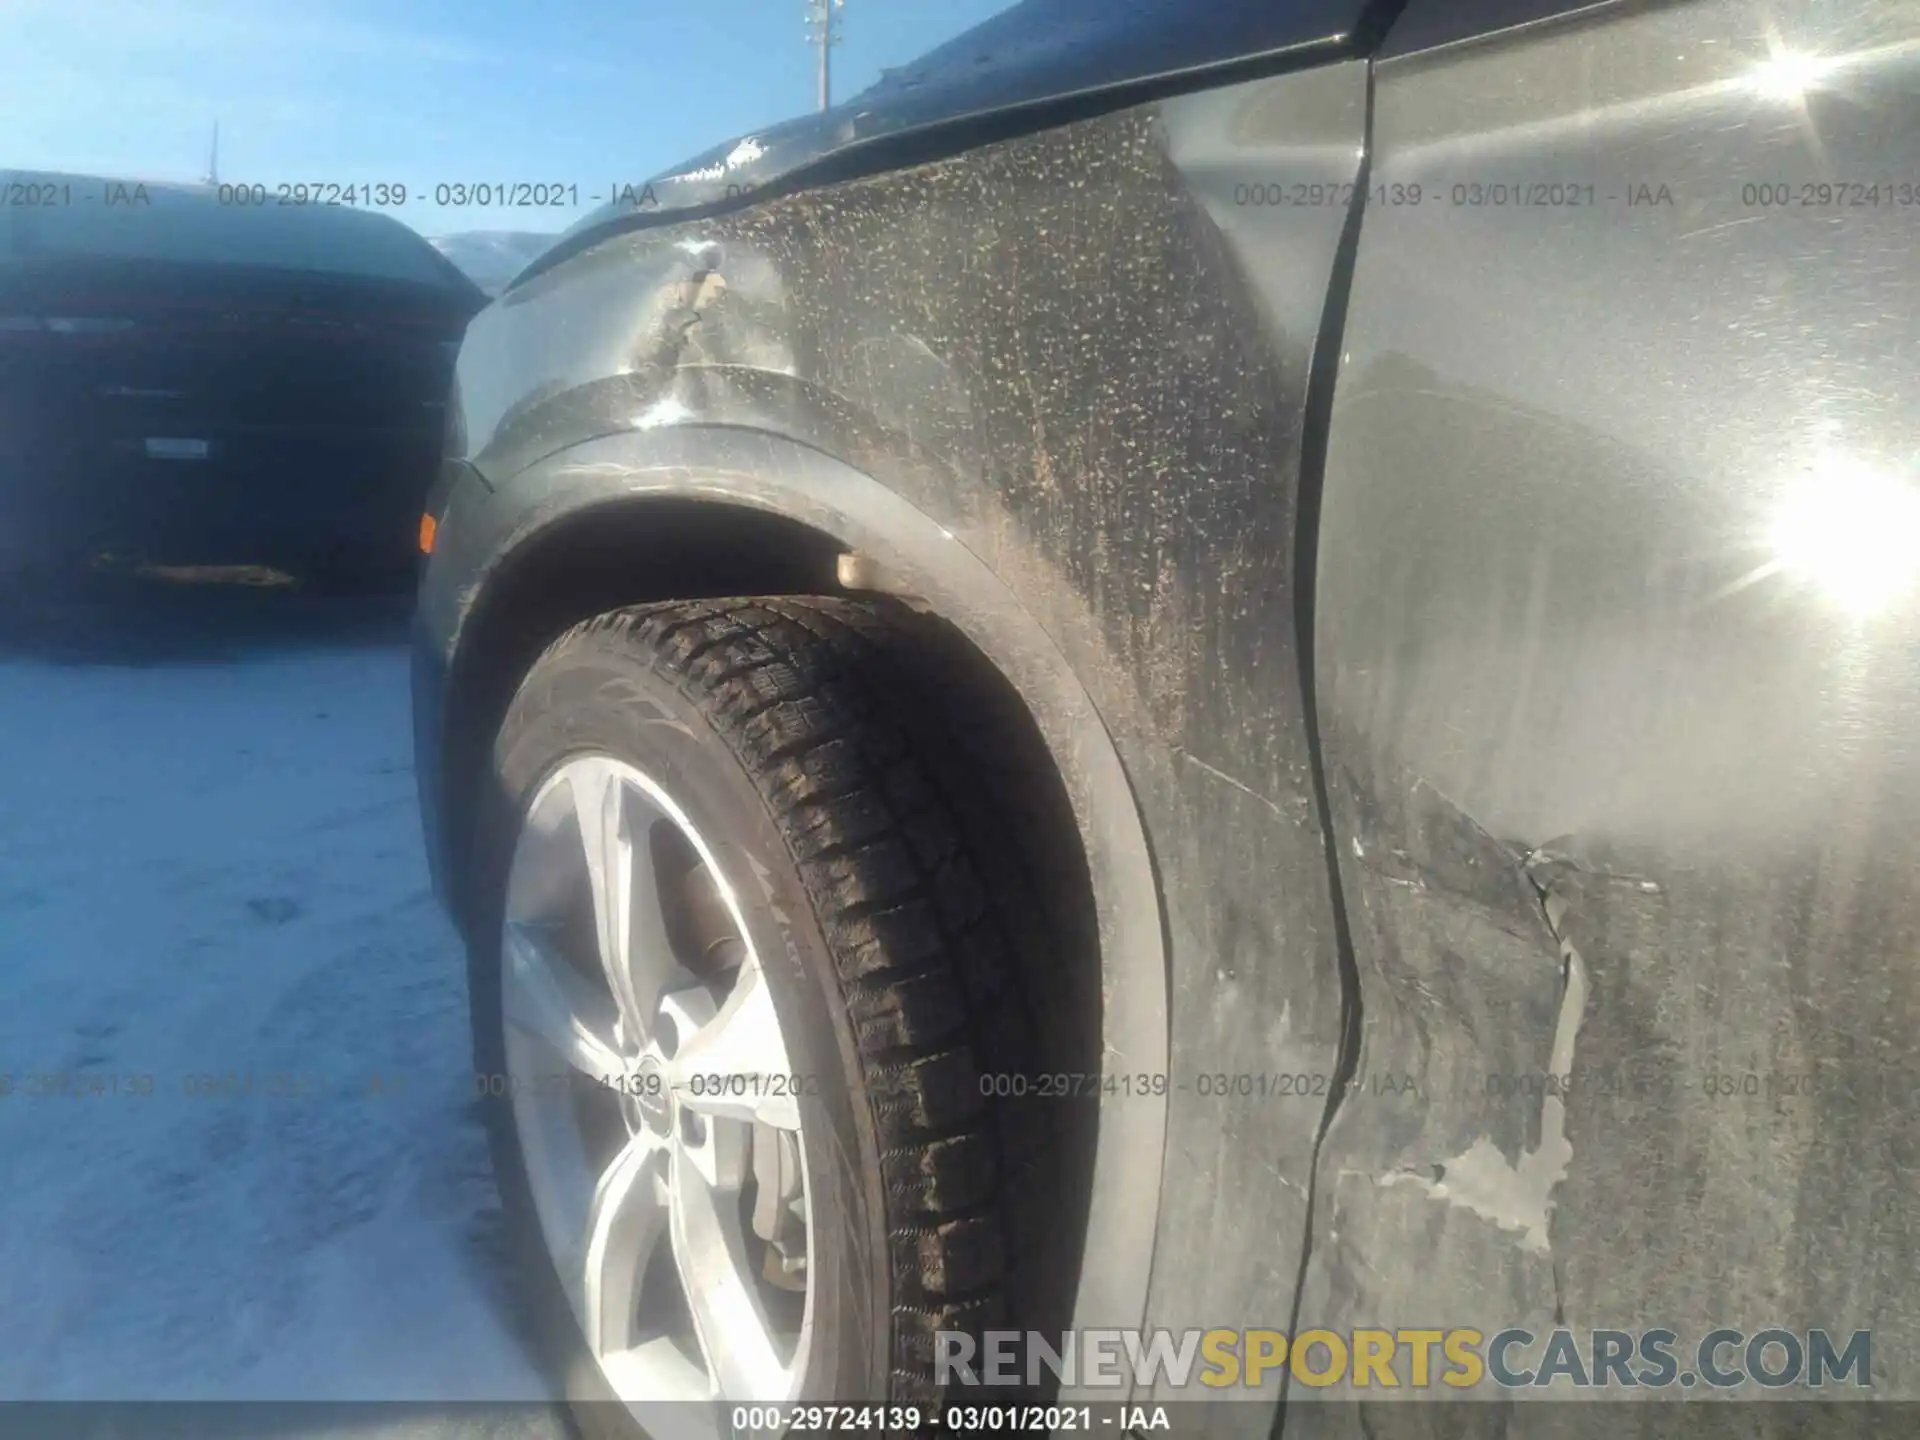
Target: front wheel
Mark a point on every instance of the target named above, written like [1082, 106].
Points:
[739, 1017]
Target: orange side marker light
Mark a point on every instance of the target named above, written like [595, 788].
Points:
[429, 528]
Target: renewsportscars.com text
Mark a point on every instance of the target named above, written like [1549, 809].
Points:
[1413, 1359]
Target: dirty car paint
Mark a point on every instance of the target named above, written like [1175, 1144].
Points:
[1618, 685]
[1087, 358]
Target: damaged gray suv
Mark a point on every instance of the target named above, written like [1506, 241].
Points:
[1242, 665]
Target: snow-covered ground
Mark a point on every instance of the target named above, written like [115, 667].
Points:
[210, 865]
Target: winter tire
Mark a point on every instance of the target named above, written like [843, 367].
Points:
[738, 1006]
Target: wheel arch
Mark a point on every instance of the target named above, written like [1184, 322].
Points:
[691, 511]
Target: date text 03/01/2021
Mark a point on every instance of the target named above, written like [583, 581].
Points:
[823, 1419]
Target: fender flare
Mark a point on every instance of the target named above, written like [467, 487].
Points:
[773, 474]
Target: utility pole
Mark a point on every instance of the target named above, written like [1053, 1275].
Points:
[823, 31]
[213, 157]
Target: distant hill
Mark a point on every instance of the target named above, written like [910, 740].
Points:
[490, 258]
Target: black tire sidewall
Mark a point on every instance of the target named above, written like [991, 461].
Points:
[592, 695]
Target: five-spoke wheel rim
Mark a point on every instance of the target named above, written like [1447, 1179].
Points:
[652, 1096]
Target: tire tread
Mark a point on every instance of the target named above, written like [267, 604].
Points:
[799, 690]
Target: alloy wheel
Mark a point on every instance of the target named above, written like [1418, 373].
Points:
[652, 1097]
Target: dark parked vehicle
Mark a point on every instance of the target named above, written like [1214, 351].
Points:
[196, 375]
[1248, 664]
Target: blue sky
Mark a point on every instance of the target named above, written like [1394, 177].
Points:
[423, 92]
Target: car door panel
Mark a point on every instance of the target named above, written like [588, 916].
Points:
[1616, 635]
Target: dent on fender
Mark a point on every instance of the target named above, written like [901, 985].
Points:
[1035, 412]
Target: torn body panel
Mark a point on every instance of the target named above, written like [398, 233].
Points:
[1435, 1185]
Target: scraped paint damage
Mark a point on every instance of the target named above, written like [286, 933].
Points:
[1451, 1139]
[1518, 1194]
